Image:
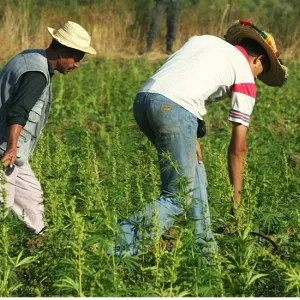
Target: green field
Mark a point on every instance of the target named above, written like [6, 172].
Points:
[96, 168]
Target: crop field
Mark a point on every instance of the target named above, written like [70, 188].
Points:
[96, 168]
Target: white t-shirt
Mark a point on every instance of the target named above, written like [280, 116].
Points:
[204, 70]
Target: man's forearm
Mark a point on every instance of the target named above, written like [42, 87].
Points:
[13, 133]
[10, 155]
[235, 169]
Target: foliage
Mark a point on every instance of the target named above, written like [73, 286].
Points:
[121, 26]
[96, 168]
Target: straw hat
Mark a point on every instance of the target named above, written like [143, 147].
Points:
[73, 36]
[277, 73]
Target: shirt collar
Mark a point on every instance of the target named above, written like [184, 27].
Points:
[242, 50]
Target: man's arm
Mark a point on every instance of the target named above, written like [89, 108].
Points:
[30, 89]
[10, 155]
[236, 151]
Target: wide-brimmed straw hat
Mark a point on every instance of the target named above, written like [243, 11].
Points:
[277, 73]
[73, 36]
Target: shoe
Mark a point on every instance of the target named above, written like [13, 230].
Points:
[169, 52]
[219, 230]
[36, 242]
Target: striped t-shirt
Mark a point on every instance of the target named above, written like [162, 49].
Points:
[207, 69]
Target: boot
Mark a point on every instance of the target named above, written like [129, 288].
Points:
[169, 50]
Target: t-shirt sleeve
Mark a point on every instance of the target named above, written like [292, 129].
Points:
[243, 100]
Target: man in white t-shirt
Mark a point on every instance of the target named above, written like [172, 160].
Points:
[171, 104]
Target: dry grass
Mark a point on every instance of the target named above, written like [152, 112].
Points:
[118, 30]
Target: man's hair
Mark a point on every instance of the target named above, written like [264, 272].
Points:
[252, 47]
[56, 46]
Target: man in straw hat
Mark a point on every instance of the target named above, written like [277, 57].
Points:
[169, 110]
[25, 94]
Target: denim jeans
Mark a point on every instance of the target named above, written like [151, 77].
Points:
[171, 129]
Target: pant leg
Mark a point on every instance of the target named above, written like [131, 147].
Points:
[200, 209]
[157, 15]
[164, 206]
[28, 203]
[173, 15]
[173, 130]
[165, 209]
[8, 189]
[24, 196]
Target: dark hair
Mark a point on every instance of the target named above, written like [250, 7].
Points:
[56, 46]
[252, 47]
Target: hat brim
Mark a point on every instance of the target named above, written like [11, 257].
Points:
[64, 42]
[277, 73]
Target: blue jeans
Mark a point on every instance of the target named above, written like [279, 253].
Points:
[173, 130]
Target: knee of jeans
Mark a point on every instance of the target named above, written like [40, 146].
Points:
[168, 205]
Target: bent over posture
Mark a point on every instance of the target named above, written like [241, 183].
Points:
[171, 102]
[25, 94]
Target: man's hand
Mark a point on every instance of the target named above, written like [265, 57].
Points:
[236, 152]
[198, 152]
[10, 155]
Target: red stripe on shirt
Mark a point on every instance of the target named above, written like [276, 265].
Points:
[234, 114]
[248, 89]
[242, 50]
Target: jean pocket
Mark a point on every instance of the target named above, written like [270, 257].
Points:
[165, 116]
